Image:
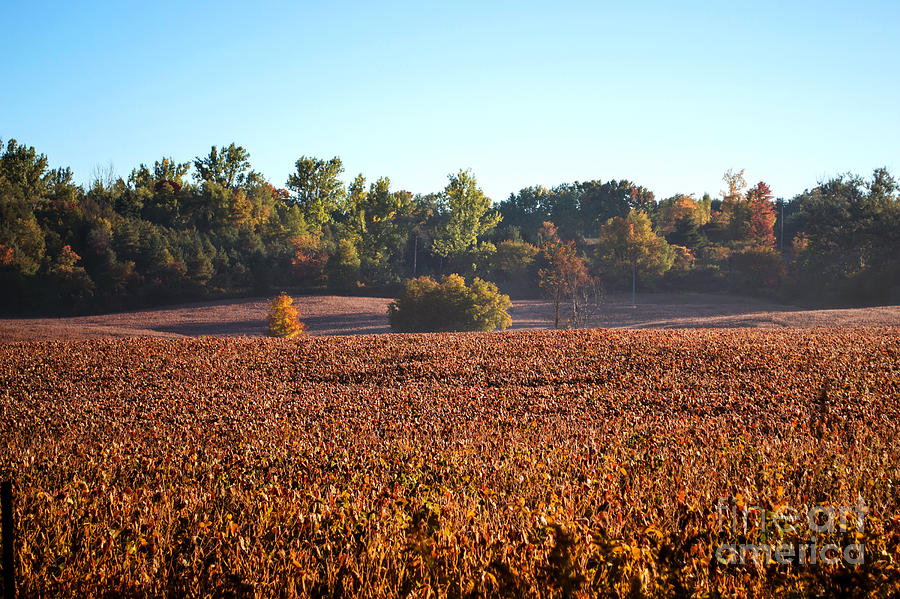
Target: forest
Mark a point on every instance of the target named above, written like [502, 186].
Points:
[215, 227]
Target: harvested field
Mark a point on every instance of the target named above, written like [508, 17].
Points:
[343, 315]
[680, 311]
[323, 315]
[531, 463]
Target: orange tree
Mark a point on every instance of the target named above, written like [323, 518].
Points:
[564, 273]
[284, 320]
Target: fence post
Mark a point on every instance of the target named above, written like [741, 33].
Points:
[9, 541]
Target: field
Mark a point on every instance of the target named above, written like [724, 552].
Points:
[341, 315]
[528, 463]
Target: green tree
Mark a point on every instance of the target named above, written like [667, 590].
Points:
[22, 244]
[71, 284]
[450, 305]
[354, 210]
[344, 265]
[466, 215]
[229, 167]
[852, 231]
[564, 204]
[757, 268]
[577, 209]
[383, 233]
[165, 170]
[23, 192]
[420, 222]
[24, 169]
[526, 211]
[317, 188]
[513, 262]
[601, 201]
[158, 194]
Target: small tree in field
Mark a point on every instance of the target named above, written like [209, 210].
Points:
[284, 320]
[565, 276]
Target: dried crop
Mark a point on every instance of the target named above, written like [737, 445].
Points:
[575, 463]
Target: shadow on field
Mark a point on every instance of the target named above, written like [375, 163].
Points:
[231, 328]
[353, 323]
[331, 324]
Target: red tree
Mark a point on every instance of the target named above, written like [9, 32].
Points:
[564, 273]
[762, 216]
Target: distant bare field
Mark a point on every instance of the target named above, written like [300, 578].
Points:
[342, 315]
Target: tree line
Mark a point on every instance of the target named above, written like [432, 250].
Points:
[214, 226]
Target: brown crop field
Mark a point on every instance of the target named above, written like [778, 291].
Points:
[527, 463]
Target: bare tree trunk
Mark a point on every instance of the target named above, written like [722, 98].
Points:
[633, 281]
[556, 301]
[573, 289]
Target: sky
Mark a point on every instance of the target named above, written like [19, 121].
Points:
[666, 94]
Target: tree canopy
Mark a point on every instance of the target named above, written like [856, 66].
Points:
[465, 215]
[173, 230]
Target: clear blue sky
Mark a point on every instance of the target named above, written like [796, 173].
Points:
[667, 94]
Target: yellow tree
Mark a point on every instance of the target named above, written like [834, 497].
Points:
[677, 208]
[732, 198]
[630, 246]
[735, 184]
[284, 320]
